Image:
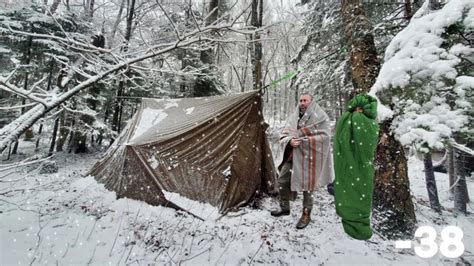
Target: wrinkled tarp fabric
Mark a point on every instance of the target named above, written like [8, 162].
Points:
[210, 149]
[312, 161]
[355, 141]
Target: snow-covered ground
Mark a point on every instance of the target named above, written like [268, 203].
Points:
[68, 218]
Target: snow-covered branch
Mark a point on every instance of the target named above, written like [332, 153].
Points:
[81, 46]
[14, 89]
[12, 131]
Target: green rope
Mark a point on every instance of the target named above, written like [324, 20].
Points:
[289, 75]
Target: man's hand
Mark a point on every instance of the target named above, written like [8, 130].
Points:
[294, 142]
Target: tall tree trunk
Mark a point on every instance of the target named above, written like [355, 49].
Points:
[63, 131]
[450, 154]
[358, 30]
[38, 139]
[393, 211]
[205, 85]
[91, 8]
[256, 22]
[68, 6]
[408, 11]
[116, 23]
[29, 132]
[247, 51]
[119, 101]
[461, 196]
[431, 182]
[54, 6]
[130, 16]
[53, 138]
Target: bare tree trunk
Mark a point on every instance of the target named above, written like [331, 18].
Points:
[91, 8]
[68, 6]
[53, 138]
[38, 139]
[408, 12]
[130, 16]
[393, 211]
[63, 131]
[461, 196]
[116, 23]
[247, 50]
[450, 154]
[54, 6]
[431, 182]
[29, 132]
[119, 101]
[205, 86]
[256, 21]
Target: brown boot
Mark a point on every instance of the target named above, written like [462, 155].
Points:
[305, 219]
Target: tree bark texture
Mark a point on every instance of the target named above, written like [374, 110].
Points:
[54, 6]
[358, 31]
[53, 138]
[450, 169]
[116, 121]
[204, 85]
[393, 212]
[431, 182]
[256, 22]
[461, 196]
[116, 23]
[63, 131]
[408, 10]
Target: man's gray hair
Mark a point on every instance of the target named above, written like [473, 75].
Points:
[307, 93]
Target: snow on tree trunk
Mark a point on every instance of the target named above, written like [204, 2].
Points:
[450, 168]
[431, 182]
[63, 131]
[393, 211]
[461, 196]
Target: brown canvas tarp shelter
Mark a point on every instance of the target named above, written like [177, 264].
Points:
[210, 149]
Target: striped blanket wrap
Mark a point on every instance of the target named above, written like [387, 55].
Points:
[312, 160]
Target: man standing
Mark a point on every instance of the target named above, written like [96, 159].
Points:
[304, 159]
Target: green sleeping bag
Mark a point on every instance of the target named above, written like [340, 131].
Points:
[355, 141]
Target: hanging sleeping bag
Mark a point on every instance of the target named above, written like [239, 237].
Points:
[355, 141]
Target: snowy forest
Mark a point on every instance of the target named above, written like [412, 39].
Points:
[74, 75]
